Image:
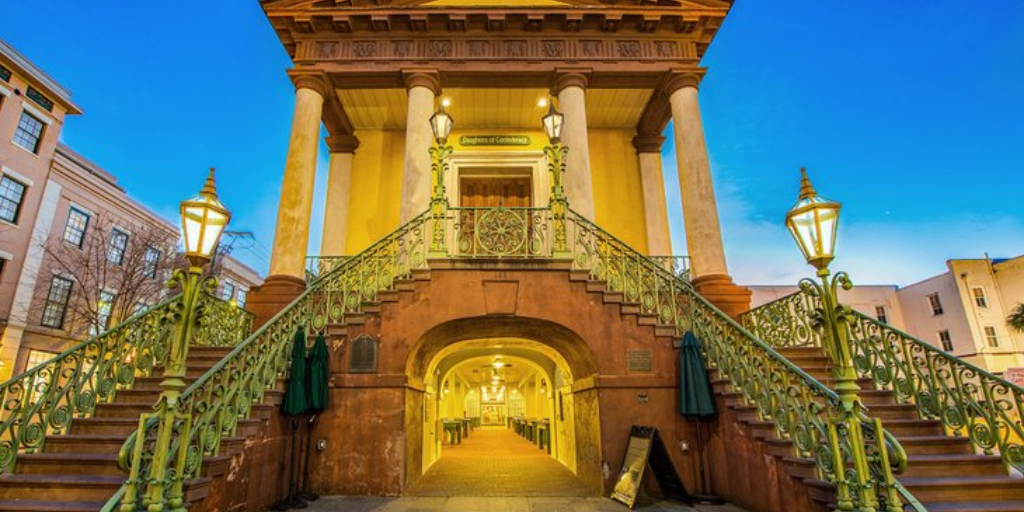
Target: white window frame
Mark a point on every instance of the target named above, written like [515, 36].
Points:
[110, 244]
[935, 306]
[981, 302]
[946, 342]
[37, 115]
[67, 223]
[882, 314]
[991, 340]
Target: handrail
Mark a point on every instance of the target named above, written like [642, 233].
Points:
[211, 407]
[801, 407]
[45, 399]
[968, 400]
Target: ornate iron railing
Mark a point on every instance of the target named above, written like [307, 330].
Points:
[678, 265]
[499, 232]
[968, 400]
[212, 406]
[804, 410]
[319, 266]
[44, 400]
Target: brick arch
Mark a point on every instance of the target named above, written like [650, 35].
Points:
[569, 345]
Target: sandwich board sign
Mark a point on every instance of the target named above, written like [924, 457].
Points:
[646, 449]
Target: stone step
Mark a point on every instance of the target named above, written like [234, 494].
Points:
[891, 411]
[946, 489]
[75, 488]
[960, 465]
[82, 464]
[977, 506]
[105, 426]
[84, 443]
[935, 445]
[24, 505]
[913, 427]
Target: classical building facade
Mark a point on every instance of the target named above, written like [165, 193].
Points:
[374, 76]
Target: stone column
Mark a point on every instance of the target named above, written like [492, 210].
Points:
[339, 181]
[571, 91]
[700, 212]
[291, 237]
[648, 151]
[423, 88]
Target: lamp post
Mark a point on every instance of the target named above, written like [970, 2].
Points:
[203, 220]
[441, 124]
[557, 154]
[813, 222]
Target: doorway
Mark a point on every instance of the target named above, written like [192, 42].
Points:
[515, 398]
[495, 191]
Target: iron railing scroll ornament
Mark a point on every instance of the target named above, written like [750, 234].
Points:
[319, 266]
[439, 154]
[45, 400]
[968, 400]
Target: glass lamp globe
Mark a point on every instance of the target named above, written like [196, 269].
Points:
[441, 124]
[203, 220]
[813, 222]
[553, 122]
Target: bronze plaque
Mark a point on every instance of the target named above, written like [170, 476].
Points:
[362, 355]
[638, 360]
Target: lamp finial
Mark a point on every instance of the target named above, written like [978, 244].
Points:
[210, 188]
[806, 189]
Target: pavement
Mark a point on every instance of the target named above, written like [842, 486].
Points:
[495, 470]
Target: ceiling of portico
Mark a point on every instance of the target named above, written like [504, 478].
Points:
[385, 109]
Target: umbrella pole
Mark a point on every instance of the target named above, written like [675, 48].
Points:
[306, 493]
[705, 496]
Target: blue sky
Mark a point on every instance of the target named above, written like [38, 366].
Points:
[911, 113]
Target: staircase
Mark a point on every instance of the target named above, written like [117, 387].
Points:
[78, 471]
[944, 472]
[939, 407]
[233, 392]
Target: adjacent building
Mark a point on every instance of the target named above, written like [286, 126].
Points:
[77, 253]
[963, 310]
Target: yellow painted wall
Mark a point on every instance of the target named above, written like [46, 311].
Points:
[376, 195]
[618, 193]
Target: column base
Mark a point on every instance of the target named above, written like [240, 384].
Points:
[276, 292]
[719, 289]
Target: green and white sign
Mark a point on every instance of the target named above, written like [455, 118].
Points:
[494, 140]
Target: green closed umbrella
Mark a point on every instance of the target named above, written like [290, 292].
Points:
[697, 403]
[296, 403]
[317, 380]
[316, 386]
[696, 400]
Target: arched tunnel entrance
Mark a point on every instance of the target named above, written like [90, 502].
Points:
[498, 414]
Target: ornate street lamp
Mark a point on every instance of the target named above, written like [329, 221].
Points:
[557, 154]
[441, 124]
[203, 220]
[814, 223]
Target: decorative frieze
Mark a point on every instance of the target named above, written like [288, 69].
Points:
[606, 50]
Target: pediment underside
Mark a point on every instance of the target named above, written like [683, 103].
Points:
[493, 4]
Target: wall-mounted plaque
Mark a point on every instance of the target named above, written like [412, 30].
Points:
[362, 355]
[638, 360]
[494, 140]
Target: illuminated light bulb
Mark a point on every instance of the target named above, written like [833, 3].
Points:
[446, 102]
[542, 103]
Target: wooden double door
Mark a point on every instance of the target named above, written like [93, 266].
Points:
[491, 192]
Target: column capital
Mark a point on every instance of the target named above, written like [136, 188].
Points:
[342, 143]
[313, 82]
[648, 143]
[680, 80]
[422, 78]
[570, 78]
